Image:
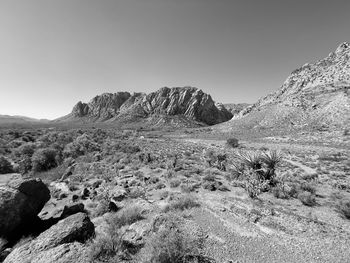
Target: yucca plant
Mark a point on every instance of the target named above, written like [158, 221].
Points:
[270, 160]
[251, 160]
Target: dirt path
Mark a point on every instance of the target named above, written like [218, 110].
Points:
[307, 170]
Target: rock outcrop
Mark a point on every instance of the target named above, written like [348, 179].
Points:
[63, 242]
[188, 102]
[21, 200]
[315, 96]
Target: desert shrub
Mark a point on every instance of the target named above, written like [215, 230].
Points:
[285, 191]
[44, 159]
[183, 203]
[209, 178]
[24, 150]
[254, 185]
[344, 208]
[308, 188]
[233, 142]
[221, 162]
[307, 198]
[173, 244]
[5, 166]
[210, 157]
[280, 192]
[128, 215]
[137, 192]
[174, 183]
[80, 146]
[160, 185]
[101, 208]
[105, 248]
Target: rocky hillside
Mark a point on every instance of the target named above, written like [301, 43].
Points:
[236, 108]
[314, 97]
[180, 106]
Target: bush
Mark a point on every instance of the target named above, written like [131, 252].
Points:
[209, 178]
[344, 208]
[254, 185]
[175, 183]
[233, 142]
[128, 215]
[5, 166]
[184, 202]
[308, 188]
[285, 191]
[25, 150]
[307, 198]
[106, 247]
[80, 146]
[25, 165]
[172, 244]
[44, 159]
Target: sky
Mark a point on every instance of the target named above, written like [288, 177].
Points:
[54, 53]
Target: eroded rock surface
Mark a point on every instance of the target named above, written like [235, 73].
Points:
[315, 96]
[21, 200]
[188, 102]
[58, 243]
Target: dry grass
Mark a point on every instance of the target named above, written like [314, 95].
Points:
[183, 203]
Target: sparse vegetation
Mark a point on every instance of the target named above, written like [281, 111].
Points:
[307, 198]
[182, 203]
[172, 244]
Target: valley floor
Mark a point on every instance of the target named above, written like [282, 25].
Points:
[302, 217]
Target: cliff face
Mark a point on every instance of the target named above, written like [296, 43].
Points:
[314, 96]
[187, 102]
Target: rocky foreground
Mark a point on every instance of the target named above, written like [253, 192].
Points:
[142, 197]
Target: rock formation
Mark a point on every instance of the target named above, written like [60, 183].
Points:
[187, 102]
[315, 97]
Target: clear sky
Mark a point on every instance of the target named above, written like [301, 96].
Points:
[54, 53]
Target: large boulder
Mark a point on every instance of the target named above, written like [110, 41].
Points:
[58, 243]
[21, 199]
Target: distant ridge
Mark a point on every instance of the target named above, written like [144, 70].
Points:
[314, 97]
[9, 119]
[178, 106]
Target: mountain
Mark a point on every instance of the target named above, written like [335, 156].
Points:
[236, 108]
[8, 119]
[179, 106]
[314, 97]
